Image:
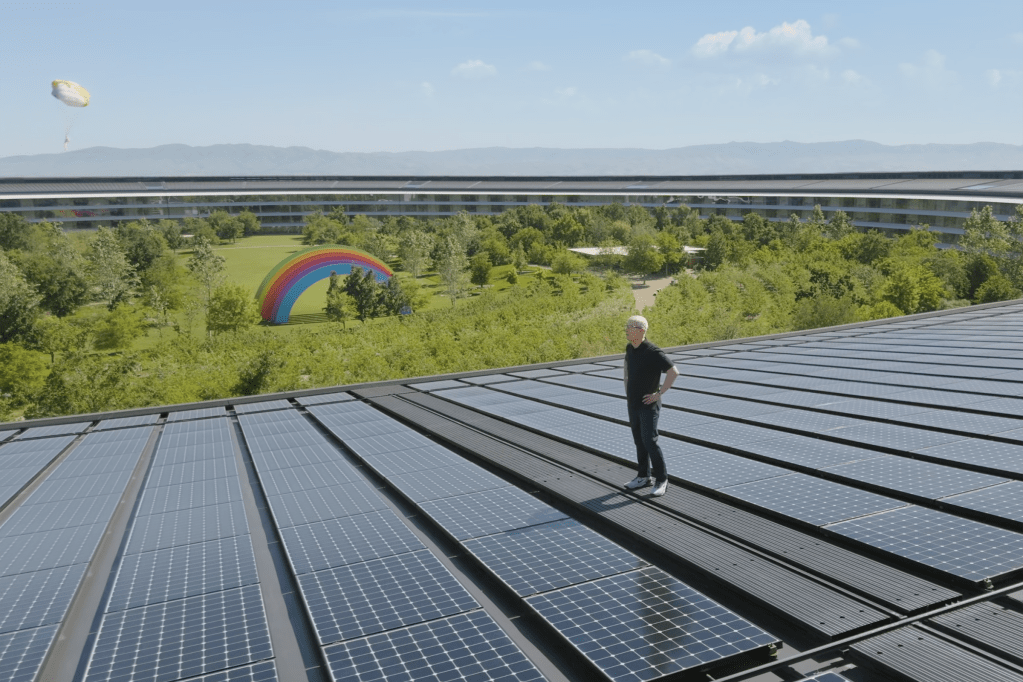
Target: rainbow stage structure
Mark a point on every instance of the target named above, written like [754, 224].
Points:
[299, 271]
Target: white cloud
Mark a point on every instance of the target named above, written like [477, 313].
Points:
[567, 92]
[850, 43]
[474, 68]
[994, 77]
[427, 89]
[853, 78]
[538, 66]
[930, 70]
[1017, 37]
[796, 38]
[647, 58]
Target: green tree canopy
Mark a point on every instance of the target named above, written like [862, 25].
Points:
[232, 308]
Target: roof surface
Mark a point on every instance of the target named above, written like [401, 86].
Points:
[848, 501]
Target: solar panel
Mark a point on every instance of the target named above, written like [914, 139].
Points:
[714, 469]
[893, 436]
[377, 427]
[49, 549]
[200, 524]
[810, 499]
[806, 421]
[183, 571]
[914, 477]
[1004, 501]
[199, 413]
[324, 398]
[968, 549]
[263, 406]
[320, 504]
[550, 556]
[22, 653]
[726, 432]
[980, 452]
[36, 518]
[387, 442]
[436, 385]
[493, 511]
[645, 624]
[963, 421]
[260, 672]
[488, 379]
[122, 422]
[469, 647]
[536, 373]
[28, 600]
[337, 542]
[4, 435]
[68, 489]
[408, 461]
[307, 477]
[381, 594]
[742, 409]
[810, 452]
[170, 498]
[434, 484]
[182, 638]
[188, 472]
[55, 430]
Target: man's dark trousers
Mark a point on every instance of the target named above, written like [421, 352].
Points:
[643, 419]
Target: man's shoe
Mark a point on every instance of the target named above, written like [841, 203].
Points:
[659, 488]
[638, 482]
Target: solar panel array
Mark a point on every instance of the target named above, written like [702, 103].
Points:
[186, 598]
[574, 578]
[47, 543]
[901, 440]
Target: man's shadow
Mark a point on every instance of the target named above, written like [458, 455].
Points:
[612, 500]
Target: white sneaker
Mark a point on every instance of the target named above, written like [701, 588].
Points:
[638, 482]
[659, 489]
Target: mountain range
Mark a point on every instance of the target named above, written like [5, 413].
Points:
[733, 158]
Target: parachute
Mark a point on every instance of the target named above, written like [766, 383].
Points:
[73, 95]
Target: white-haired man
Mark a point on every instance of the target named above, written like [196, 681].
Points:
[644, 364]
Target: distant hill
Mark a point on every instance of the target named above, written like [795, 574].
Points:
[714, 159]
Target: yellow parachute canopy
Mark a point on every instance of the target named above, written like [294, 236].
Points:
[70, 93]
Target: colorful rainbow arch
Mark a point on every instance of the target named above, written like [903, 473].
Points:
[296, 273]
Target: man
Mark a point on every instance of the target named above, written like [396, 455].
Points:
[644, 364]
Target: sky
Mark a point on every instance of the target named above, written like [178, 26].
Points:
[420, 75]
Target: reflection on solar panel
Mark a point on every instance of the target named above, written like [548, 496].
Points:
[493, 511]
[645, 624]
[450, 481]
[260, 672]
[551, 555]
[381, 594]
[967, 549]
[468, 646]
[337, 542]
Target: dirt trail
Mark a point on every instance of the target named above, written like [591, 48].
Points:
[644, 293]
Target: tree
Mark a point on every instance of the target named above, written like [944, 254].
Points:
[643, 258]
[519, 258]
[250, 223]
[394, 298]
[1003, 242]
[226, 225]
[231, 309]
[112, 275]
[22, 373]
[171, 232]
[479, 268]
[322, 230]
[143, 244]
[414, 248]
[340, 307]
[997, 288]
[19, 303]
[55, 335]
[119, 328]
[363, 288]
[207, 267]
[58, 272]
[451, 266]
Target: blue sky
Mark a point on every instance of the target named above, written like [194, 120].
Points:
[400, 76]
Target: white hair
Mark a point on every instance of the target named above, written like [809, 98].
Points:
[639, 320]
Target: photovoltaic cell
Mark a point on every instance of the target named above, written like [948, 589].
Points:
[159, 531]
[22, 653]
[434, 484]
[645, 624]
[36, 518]
[810, 499]
[408, 461]
[1004, 501]
[188, 472]
[337, 542]
[810, 452]
[469, 647]
[536, 373]
[264, 406]
[121, 422]
[968, 549]
[914, 477]
[183, 571]
[182, 638]
[551, 555]
[324, 398]
[713, 469]
[170, 498]
[200, 413]
[55, 430]
[493, 511]
[895, 437]
[381, 594]
[28, 600]
[979, 452]
[732, 433]
[49, 549]
[488, 379]
[320, 504]
[437, 385]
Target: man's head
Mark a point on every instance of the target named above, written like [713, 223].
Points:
[635, 329]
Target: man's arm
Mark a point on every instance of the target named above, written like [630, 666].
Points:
[625, 369]
[669, 379]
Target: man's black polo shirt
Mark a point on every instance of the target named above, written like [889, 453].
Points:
[645, 364]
